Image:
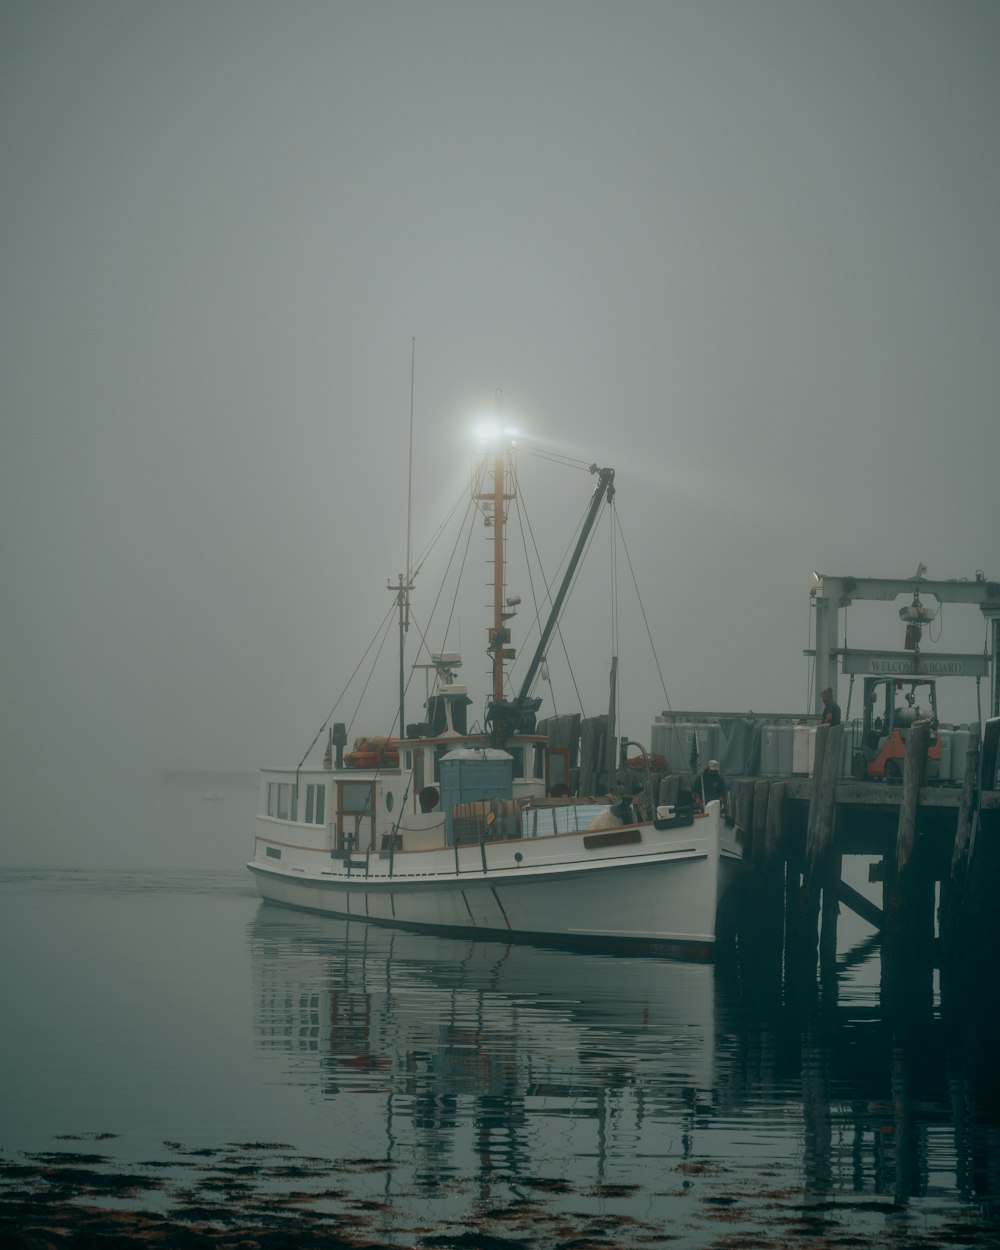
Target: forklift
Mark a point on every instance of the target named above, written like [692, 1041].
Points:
[891, 707]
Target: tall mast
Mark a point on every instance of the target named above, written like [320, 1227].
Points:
[405, 582]
[404, 610]
[498, 634]
[409, 474]
[498, 498]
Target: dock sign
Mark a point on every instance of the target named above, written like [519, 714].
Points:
[913, 664]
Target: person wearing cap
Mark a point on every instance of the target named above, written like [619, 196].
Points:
[711, 783]
[831, 712]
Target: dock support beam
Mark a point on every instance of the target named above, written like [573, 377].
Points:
[957, 904]
[764, 921]
[907, 951]
[821, 865]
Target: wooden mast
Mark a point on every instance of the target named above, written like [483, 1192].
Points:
[498, 635]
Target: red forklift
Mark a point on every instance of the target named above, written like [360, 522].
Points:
[891, 708]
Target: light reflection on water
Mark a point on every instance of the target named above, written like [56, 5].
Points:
[534, 1092]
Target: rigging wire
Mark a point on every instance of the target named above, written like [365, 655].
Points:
[458, 584]
[569, 596]
[470, 509]
[642, 610]
[433, 540]
[385, 635]
[385, 619]
[555, 457]
[614, 613]
[421, 559]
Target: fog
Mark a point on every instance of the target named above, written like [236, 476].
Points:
[744, 253]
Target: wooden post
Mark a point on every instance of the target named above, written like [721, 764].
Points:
[826, 862]
[750, 803]
[738, 912]
[772, 891]
[963, 837]
[801, 910]
[760, 791]
[741, 793]
[914, 776]
[794, 868]
[820, 861]
[909, 930]
[772, 826]
[955, 894]
[991, 754]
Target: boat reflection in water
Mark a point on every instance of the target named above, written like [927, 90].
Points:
[601, 1086]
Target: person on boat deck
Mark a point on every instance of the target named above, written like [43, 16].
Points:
[831, 712]
[711, 783]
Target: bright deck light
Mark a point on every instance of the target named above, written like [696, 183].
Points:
[490, 433]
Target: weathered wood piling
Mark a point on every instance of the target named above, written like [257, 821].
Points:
[936, 852]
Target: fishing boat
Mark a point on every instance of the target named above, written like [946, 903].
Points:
[506, 829]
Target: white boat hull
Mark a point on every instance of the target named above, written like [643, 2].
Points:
[660, 890]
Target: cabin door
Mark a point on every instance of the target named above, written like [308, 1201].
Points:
[355, 808]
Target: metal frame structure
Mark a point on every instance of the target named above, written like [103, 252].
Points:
[832, 593]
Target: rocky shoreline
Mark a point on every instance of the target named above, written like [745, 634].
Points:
[265, 1196]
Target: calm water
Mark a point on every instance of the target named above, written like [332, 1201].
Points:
[230, 1056]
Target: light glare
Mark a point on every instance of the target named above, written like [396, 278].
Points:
[487, 432]
[490, 433]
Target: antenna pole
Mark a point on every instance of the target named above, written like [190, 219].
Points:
[405, 583]
[409, 475]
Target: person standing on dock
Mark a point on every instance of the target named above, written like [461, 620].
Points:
[831, 710]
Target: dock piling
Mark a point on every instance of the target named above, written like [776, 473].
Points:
[907, 977]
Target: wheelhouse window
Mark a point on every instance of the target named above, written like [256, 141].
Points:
[355, 800]
[286, 802]
[281, 800]
[316, 804]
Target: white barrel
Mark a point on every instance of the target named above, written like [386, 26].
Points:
[943, 773]
[961, 740]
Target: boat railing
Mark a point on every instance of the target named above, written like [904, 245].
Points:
[487, 820]
[566, 818]
[491, 820]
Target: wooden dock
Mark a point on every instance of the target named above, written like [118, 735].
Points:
[935, 853]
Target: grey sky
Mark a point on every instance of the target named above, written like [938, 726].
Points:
[743, 252]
